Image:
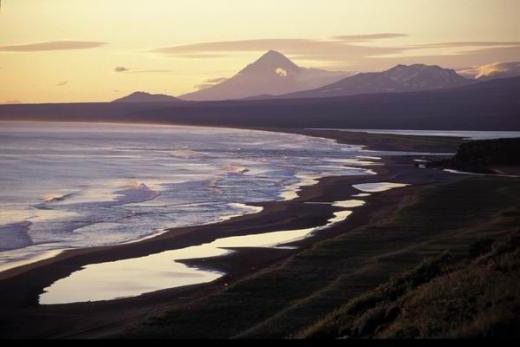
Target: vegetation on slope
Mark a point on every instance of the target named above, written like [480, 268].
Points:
[475, 297]
[322, 290]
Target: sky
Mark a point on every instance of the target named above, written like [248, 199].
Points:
[99, 50]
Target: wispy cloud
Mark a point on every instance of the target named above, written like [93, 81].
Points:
[51, 46]
[327, 50]
[216, 80]
[369, 37]
[151, 71]
[210, 82]
[62, 83]
[359, 51]
[136, 71]
[506, 69]
[468, 44]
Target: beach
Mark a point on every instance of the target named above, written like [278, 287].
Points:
[150, 314]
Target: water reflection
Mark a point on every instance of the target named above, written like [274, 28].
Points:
[378, 186]
[132, 277]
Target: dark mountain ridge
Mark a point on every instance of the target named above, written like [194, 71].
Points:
[137, 97]
[399, 79]
[489, 105]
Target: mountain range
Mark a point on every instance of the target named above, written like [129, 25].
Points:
[486, 105]
[399, 79]
[272, 74]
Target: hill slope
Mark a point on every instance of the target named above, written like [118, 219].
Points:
[138, 97]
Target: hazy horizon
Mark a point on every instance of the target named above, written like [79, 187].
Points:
[73, 51]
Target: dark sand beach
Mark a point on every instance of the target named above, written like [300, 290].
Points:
[281, 292]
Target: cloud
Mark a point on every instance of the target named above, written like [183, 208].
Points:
[296, 46]
[369, 37]
[202, 56]
[7, 102]
[210, 83]
[310, 49]
[203, 86]
[466, 44]
[496, 69]
[51, 46]
[62, 83]
[150, 71]
[134, 71]
[216, 80]
[359, 52]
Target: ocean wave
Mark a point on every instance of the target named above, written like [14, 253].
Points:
[50, 198]
[243, 210]
[14, 236]
[136, 192]
[142, 180]
[292, 191]
[236, 168]
[185, 153]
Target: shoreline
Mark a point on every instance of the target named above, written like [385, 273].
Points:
[285, 195]
[285, 192]
[20, 287]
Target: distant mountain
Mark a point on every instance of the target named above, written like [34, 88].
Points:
[272, 74]
[486, 105]
[492, 71]
[146, 97]
[399, 79]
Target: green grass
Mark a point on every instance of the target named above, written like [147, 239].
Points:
[477, 296]
[303, 295]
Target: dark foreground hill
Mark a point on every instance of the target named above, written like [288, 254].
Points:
[472, 297]
[490, 105]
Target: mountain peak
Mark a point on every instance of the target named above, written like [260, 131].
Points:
[424, 76]
[398, 79]
[415, 67]
[271, 74]
[140, 96]
[272, 62]
[272, 54]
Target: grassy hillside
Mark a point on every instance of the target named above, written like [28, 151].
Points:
[471, 298]
[327, 290]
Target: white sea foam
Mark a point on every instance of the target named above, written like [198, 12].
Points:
[84, 185]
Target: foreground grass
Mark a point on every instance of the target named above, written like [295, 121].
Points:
[327, 290]
[474, 297]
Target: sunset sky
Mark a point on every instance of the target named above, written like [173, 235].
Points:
[98, 50]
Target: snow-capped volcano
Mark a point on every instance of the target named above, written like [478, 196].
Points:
[272, 74]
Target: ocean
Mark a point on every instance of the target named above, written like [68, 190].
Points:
[76, 185]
